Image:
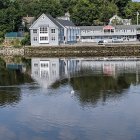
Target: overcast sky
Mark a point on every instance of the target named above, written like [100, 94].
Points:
[137, 0]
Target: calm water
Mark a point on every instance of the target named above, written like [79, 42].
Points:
[69, 99]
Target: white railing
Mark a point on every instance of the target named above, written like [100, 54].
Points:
[108, 34]
[138, 32]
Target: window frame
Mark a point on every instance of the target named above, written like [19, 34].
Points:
[53, 31]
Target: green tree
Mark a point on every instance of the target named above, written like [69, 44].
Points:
[131, 11]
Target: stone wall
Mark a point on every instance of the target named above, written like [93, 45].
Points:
[12, 51]
[84, 51]
[74, 51]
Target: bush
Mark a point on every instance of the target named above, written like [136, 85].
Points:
[26, 40]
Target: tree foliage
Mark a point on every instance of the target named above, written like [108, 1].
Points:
[83, 12]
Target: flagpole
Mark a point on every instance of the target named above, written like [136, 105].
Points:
[137, 17]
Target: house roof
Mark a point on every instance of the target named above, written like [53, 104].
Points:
[50, 17]
[108, 27]
[91, 27]
[53, 20]
[116, 27]
[13, 34]
[65, 22]
[127, 26]
[28, 19]
[58, 22]
[115, 16]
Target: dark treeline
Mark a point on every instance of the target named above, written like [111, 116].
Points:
[83, 12]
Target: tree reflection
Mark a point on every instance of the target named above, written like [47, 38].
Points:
[10, 93]
[9, 96]
[91, 89]
[94, 87]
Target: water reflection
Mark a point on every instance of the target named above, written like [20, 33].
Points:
[9, 96]
[90, 80]
[46, 71]
[12, 75]
[85, 100]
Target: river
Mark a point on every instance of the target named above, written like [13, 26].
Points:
[69, 99]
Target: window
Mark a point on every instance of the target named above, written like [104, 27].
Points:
[53, 38]
[43, 38]
[44, 74]
[112, 30]
[53, 65]
[125, 30]
[52, 30]
[35, 38]
[34, 31]
[44, 65]
[43, 30]
[35, 65]
[132, 30]
[36, 72]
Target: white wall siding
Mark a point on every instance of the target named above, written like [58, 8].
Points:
[44, 21]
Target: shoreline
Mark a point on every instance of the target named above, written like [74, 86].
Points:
[108, 51]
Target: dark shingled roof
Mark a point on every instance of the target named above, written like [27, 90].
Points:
[54, 21]
[58, 22]
[65, 22]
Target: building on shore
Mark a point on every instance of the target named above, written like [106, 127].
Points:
[10, 36]
[116, 20]
[27, 21]
[49, 31]
[122, 33]
[118, 29]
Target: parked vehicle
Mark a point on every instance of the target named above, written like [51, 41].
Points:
[102, 42]
[115, 40]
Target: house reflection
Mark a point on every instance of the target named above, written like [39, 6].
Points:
[108, 79]
[112, 68]
[46, 71]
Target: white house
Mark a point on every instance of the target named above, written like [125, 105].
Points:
[116, 20]
[47, 31]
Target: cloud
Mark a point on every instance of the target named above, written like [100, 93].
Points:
[6, 134]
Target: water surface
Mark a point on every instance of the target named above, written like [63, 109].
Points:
[69, 99]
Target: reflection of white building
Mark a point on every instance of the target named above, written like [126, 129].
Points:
[47, 70]
[69, 66]
[112, 68]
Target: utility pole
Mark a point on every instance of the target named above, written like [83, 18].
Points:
[137, 17]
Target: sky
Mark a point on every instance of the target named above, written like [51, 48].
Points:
[137, 0]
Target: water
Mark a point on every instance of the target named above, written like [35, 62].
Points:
[69, 99]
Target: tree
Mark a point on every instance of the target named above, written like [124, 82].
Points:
[131, 11]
